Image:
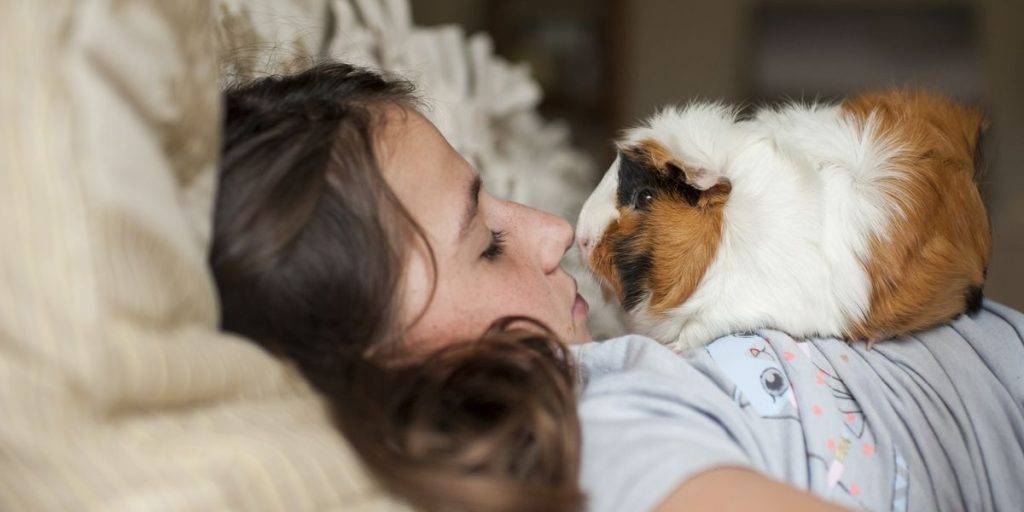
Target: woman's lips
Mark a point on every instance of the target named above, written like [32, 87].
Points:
[580, 307]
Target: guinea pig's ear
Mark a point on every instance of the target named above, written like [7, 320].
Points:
[699, 177]
[709, 187]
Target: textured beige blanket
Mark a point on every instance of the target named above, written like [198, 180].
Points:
[117, 392]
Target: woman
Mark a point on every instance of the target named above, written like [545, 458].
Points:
[351, 239]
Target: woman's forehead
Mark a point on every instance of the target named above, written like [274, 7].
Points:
[425, 172]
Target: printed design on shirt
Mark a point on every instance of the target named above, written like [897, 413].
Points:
[836, 468]
[760, 380]
[856, 442]
[840, 445]
[759, 372]
[900, 485]
[846, 404]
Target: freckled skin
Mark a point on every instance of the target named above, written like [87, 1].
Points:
[430, 179]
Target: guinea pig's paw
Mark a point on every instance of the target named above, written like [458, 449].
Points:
[680, 348]
[868, 340]
[871, 342]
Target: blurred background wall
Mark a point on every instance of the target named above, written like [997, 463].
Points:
[605, 64]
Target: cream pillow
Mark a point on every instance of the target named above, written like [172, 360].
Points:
[117, 392]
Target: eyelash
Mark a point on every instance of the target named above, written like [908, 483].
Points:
[497, 247]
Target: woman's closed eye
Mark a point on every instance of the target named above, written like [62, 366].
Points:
[496, 248]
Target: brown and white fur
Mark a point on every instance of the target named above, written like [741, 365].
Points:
[858, 220]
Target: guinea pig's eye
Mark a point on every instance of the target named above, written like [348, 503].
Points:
[642, 199]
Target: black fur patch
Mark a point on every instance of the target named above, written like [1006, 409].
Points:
[974, 299]
[634, 270]
[634, 177]
[677, 182]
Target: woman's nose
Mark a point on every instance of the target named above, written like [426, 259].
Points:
[554, 237]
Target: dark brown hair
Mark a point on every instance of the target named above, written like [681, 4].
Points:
[307, 254]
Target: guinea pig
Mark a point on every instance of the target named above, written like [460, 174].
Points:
[859, 220]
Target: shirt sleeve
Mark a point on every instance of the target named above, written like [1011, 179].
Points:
[650, 421]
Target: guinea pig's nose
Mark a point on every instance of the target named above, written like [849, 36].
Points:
[584, 242]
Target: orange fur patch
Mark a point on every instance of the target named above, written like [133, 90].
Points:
[923, 273]
[602, 260]
[687, 240]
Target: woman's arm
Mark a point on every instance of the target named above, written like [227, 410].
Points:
[727, 489]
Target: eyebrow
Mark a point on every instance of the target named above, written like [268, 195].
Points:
[474, 204]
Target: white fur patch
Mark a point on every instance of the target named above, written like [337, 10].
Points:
[699, 134]
[599, 210]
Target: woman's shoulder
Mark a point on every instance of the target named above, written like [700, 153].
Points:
[637, 364]
[631, 352]
[635, 352]
[652, 419]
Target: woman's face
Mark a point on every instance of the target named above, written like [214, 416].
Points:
[495, 258]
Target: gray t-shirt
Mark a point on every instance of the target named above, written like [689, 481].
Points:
[930, 421]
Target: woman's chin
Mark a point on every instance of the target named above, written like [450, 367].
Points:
[584, 337]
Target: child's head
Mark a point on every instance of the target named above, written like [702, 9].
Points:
[492, 258]
[354, 209]
[350, 238]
